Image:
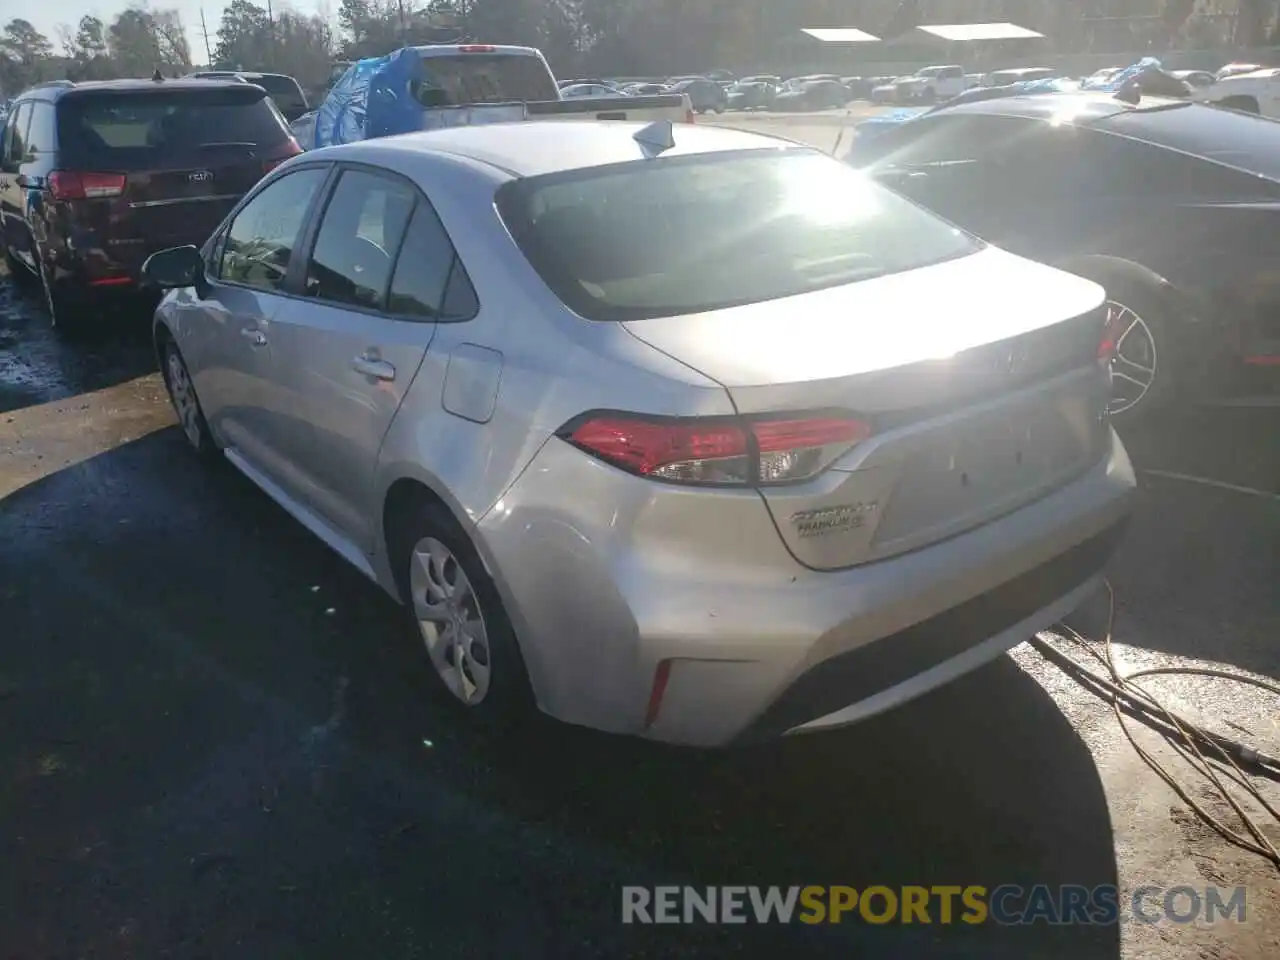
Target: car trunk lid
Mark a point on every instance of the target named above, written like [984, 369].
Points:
[978, 376]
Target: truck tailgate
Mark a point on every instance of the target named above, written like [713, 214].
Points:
[675, 107]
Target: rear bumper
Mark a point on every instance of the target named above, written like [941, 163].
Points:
[604, 588]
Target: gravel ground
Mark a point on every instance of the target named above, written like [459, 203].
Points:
[214, 739]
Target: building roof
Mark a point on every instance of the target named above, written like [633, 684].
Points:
[840, 35]
[1002, 30]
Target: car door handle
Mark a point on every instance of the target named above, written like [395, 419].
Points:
[255, 336]
[374, 367]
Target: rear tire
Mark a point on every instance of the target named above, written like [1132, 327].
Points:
[1141, 323]
[458, 617]
[67, 307]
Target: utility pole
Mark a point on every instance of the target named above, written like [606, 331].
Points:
[205, 31]
[404, 30]
[271, 27]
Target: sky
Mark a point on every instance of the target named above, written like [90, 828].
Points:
[47, 14]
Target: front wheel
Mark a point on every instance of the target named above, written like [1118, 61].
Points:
[186, 404]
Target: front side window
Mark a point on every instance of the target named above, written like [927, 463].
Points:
[359, 235]
[262, 237]
[16, 135]
[751, 226]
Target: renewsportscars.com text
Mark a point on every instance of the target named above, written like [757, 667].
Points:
[1007, 904]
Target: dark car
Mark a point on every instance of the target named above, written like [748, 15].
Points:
[1173, 207]
[704, 95]
[284, 90]
[94, 177]
[751, 95]
[812, 94]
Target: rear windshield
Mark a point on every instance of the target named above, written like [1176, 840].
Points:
[121, 131]
[283, 90]
[663, 237]
[1243, 140]
[490, 78]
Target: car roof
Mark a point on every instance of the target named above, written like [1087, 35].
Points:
[60, 90]
[1079, 108]
[538, 147]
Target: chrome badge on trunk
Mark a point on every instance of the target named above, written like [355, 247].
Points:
[840, 518]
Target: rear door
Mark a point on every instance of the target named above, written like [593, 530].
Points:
[189, 155]
[373, 286]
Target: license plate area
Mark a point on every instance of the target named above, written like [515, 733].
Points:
[967, 473]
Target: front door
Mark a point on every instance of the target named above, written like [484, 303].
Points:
[227, 332]
[13, 150]
[373, 289]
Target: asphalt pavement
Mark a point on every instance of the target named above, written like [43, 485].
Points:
[216, 740]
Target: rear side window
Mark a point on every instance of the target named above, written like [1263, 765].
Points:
[1243, 140]
[284, 90]
[40, 132]
[15, 134]
[261, 239]
[358, 238]
[149, 128]
[489, 78]
[751, 226]
[422, 286]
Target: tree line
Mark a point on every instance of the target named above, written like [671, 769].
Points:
[610, 37]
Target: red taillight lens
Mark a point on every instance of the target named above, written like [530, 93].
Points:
[291, 149]
[476, 48]
[74, 185]
[797, 449]
[717, 450]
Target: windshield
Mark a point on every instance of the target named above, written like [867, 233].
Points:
[490, 78]
[753, 226]
[128, 131]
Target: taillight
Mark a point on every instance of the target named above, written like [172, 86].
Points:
[476, 48]
[75, 185]
[291, 150]
[717, 450]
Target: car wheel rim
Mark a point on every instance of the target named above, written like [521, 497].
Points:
[450, 621]
[1134, 360]
[183, 395]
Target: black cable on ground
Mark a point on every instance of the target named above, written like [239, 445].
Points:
[1212, 755]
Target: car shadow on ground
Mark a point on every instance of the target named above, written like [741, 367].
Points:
[38, 365]
[216, 738]
[1196, 574]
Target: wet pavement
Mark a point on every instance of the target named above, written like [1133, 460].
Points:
[215, 738]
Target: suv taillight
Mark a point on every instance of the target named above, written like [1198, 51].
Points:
[291, 149]
[717, 450]
[75, 185]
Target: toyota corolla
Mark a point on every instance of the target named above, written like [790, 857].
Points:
[681, 432]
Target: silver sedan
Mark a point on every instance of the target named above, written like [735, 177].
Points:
[683, 432]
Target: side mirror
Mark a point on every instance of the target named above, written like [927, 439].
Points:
[175, 267]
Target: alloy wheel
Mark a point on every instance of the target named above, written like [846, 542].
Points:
[450, 620]
[183, 396]
[1134, 360]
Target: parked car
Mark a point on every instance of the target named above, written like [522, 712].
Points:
[1001, 78]
[809, 94]
[751, 95]
[575, 91]
[705, 95]
[932, 84]
[1257, 91]
[1171, 205]
[859, 87]
[1103, 76]
[1234, 69]
[661, 504]
[645, 89]
[96, 176]
[1195, 79]
[889, 90]
[283, 90]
